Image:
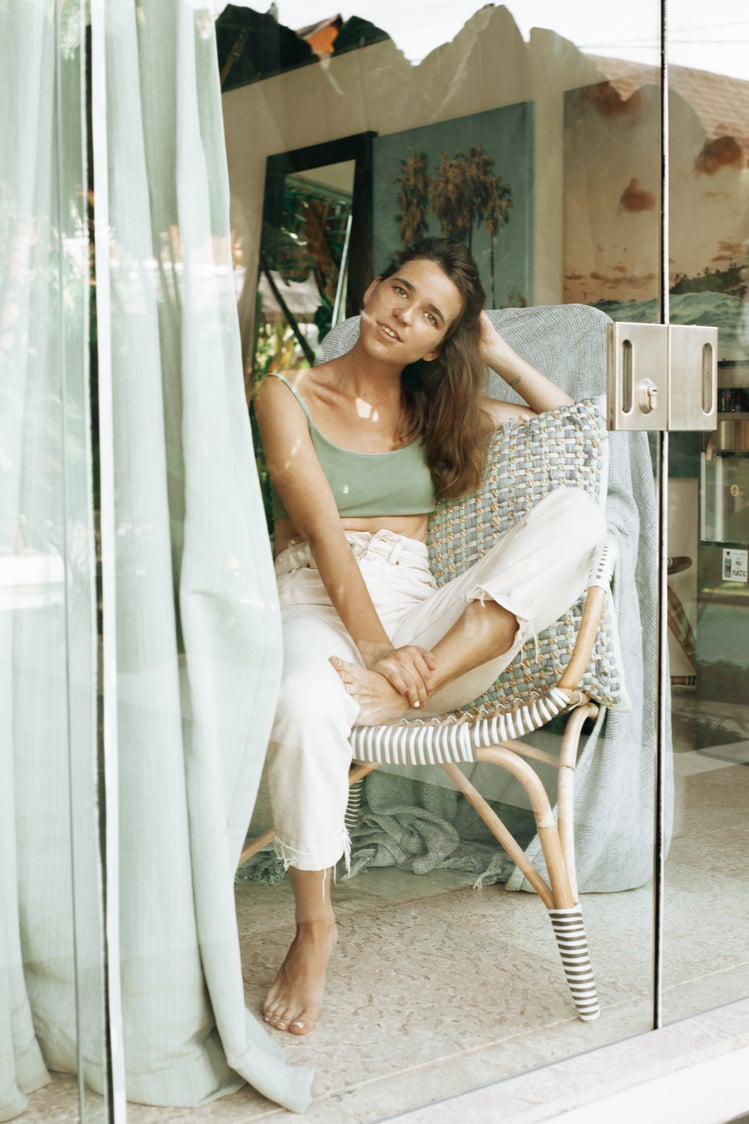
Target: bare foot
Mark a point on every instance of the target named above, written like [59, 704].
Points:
[379, 702]
[294, 1002]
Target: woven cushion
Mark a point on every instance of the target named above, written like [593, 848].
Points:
[527, 460]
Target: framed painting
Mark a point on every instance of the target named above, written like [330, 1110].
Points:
[469, 178]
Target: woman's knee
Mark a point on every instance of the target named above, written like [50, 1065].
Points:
[581, 516]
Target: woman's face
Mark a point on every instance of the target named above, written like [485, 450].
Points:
[407, 316]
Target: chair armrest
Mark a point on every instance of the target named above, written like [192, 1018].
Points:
[599, 581]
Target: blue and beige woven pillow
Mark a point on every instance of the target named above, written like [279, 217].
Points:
[527, 460]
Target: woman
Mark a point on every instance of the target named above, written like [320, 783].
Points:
[358, 450]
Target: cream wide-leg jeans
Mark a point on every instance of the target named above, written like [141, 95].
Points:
[536, 572]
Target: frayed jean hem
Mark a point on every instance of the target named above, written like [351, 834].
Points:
[315, 858]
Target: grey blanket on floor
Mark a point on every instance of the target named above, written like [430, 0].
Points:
[417, 827]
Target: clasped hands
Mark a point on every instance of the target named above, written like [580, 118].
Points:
[408, 669]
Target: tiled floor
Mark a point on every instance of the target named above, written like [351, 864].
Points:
[437, 989]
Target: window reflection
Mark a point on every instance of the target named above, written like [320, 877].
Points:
[594, 197]
[462, 96]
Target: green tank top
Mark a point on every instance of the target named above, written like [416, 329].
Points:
[364, 484]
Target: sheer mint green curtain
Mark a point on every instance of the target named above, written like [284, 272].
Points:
[198, 641]
[51, 948]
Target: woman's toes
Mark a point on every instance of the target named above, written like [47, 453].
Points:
[275, 1016]
[345, 673]
[277, 1021]
[284, 1022]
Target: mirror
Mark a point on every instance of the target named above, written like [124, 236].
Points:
[317, 205]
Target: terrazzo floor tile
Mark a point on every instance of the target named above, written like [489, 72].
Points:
[704, 993]
[436, 988]
[716, 798]
[496, 1001]
[56, 1102]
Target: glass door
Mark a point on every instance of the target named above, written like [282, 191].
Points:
[553, 118]
[706, 894]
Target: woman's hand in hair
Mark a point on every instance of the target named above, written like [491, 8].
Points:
[493, 348]
[538, 391]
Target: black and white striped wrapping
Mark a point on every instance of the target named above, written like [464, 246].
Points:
[569, 931]
[442, 741]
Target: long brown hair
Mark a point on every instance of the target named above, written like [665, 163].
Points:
[441, 398]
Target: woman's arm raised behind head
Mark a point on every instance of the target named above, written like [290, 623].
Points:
[537, 389]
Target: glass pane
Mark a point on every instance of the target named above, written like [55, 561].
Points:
[52, 900]
[708, 526]
[532, 134]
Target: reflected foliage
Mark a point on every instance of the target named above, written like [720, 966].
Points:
[254, 45]
[356, 33]
[303, 243]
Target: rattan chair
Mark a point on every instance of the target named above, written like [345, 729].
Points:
[570, 671]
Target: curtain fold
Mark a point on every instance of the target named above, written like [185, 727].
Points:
[198, 634]
[199, 646]
[51, 987]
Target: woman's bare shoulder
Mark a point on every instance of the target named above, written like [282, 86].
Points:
[278, 394]
[307, 381]
[274, 387]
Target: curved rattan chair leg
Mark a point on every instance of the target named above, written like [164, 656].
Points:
[500, 832]
[256, 845]
[566, 786]
[548, 833]
[569, 931]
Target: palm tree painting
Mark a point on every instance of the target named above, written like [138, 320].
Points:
[412, 197]
[468, 179]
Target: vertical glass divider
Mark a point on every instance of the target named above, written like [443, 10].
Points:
[108, 561]
[64, 373]
[662, 567]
